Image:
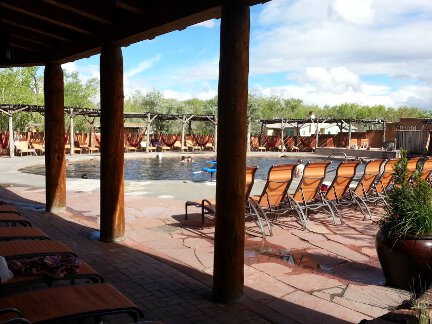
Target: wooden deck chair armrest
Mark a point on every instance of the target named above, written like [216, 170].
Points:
[17, 320]
[11, 310]
[41, 254]
[208, 206]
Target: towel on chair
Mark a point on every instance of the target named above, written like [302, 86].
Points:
[5, 273]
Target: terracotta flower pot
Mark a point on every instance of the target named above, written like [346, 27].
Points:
[406, 262]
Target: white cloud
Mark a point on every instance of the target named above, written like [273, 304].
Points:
[85, 71]
[207, 24]
[176, 95]
[142, 66]
[336, 80]
[355, 12]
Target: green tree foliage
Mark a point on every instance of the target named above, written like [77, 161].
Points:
[25, 86]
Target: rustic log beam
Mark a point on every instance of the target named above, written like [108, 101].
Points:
[228, 274]
[112, 145]
[55, 161]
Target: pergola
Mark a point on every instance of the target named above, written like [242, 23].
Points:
[53, 32]
[149, 117]
[298, 122]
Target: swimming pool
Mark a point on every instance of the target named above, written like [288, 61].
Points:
[168, 168]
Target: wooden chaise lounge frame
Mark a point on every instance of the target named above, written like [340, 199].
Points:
[60, 304]
[208, 207]
[426, 171]
[28, 249]
[364, 192]
[272, 198]
[22, 233]
[308, 193]
[338, 193]
[13, 219]
[386, 179]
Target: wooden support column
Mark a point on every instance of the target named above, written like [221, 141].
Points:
[183, 133]
[72, 133]
[112, 145]
[11, 138]
[148, 133]
[215, 143]
[228, 273]
[248, 135]
[55, 161]
[349, 133]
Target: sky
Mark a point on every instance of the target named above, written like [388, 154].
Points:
[324, 52]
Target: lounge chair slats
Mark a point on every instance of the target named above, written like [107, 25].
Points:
[26, 248]
[13, 219]
[85, 272]
[8, 209]
[71, 302]
[22, 233]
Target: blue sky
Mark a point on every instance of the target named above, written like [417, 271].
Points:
[325, 52]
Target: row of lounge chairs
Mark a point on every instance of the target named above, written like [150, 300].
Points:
[85, 295]
[347, 188]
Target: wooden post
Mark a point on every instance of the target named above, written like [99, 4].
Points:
[55, 161]
[148, 133]
[215, 143]
[11, 138]
[183, 133]
[282, 135]
[349, 133]
[112, 145]
[384, 132]
[248, 135]
[72, 133]
[228, 273]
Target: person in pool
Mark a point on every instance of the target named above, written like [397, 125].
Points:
[298, 172]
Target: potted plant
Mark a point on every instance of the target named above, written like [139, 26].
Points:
[404, 241]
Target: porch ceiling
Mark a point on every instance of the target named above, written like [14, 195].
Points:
[39, 31]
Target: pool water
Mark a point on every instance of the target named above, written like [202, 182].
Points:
[167, 168]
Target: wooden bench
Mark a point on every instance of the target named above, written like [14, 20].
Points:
[23, 147]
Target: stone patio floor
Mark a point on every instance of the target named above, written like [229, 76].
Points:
[329, 274]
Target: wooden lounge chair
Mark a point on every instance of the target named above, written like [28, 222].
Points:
[308, 196]
[386, 179]
[191, 147]
[364, 192]
[426, 170]
[24, 249]
[338, 190]
[23, 147]
[412, 166]
[11, 218]
[30, 249]
[39, 148]
[68, 149]
[271, 200]
[63, 304]
[22, 233]
[208, 207]
[9, 209]
[364, 143]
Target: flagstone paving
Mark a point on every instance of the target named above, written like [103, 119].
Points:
[330, 274]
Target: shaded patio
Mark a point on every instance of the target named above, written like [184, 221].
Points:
[164, 264]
